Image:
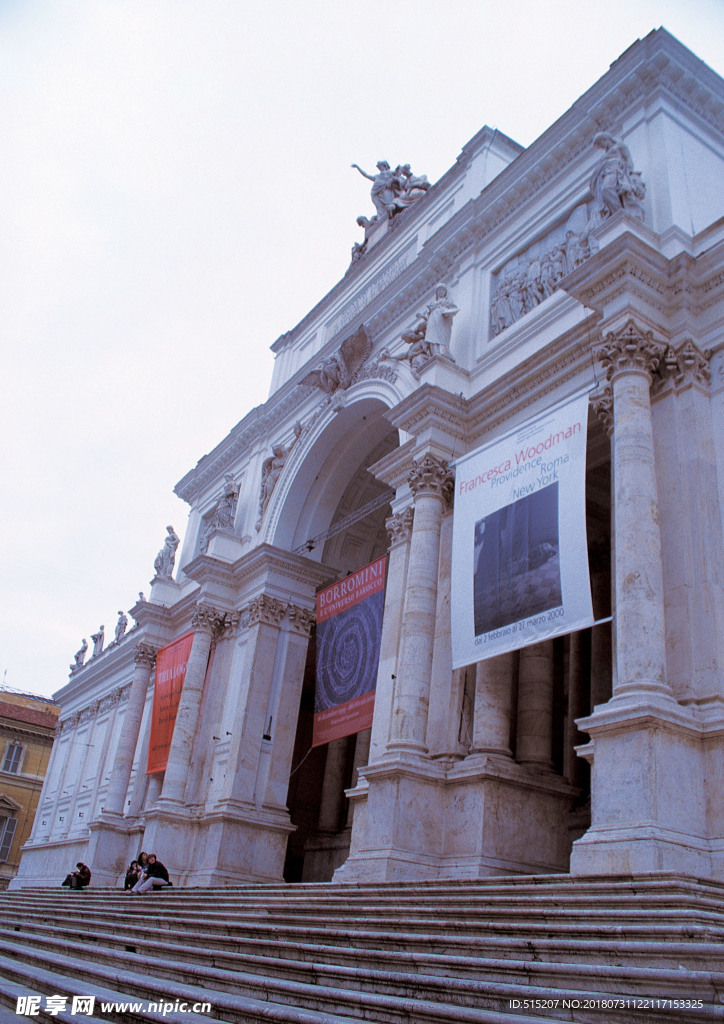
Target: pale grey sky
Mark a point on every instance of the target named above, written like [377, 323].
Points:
[175, 193]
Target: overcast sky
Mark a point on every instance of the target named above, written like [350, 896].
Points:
[175, 193]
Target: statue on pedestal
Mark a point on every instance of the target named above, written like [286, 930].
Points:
[614, 183]
[166, 557]
[431, 334]
[120, 627]
[223, 515]
[393, 191]
[98, 641]
[271, 470]
[79, 656]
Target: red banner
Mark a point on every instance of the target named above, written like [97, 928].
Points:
[171, 664]
[349, 629]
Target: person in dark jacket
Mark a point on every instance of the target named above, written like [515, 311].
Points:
[155, 877]
[79, 878]
[133, 875]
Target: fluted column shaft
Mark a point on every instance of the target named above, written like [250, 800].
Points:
[430, 486]
[208, 624]
[145, 659]
[493, 703]
[534, 744]
[630, 356]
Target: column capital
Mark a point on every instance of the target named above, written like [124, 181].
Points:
[302, 619]
[602, 405]
[431, 476]
[630, 349]
[267, 610]
[682, 367]
[399, 526]
[144, 654]
[207, 619]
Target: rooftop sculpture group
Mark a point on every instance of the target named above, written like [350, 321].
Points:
[391, 192]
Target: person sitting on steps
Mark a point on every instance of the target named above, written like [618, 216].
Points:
[155, 877]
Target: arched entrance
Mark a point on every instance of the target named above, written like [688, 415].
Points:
[335, 510]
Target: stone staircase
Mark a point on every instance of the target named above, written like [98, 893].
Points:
[521, 950]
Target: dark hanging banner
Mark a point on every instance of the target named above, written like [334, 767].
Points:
[349, 630]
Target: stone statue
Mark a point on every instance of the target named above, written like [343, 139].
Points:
[224, 514]
[141, 597]
[98, 641]
[360, 248]
[166, 557]
[383, 189]
[120, 627]
[338, 370]
[431, 334]
[79, 656]
[393, 191]
[271, 470]
[614, 183]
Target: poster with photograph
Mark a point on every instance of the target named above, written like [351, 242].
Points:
[520, 554]
[349, 631]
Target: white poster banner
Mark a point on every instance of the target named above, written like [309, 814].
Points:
[520, 556]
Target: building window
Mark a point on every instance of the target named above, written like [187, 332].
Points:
[13, 756]
[7, 831]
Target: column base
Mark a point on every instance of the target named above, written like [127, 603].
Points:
[485, 815]
[651, 809]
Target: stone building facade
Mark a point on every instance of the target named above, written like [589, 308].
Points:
[27, 727]
[591, 260]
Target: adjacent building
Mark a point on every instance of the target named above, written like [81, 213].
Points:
[590, 263]
[27, 727]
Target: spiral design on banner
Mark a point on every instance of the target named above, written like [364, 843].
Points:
[348, 652]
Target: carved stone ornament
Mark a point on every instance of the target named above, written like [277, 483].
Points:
[79, 656]
[615, 184]
[393, 191]
[302, 619]
[431, 476]
[340, 370]
[271, 470]
[399, 526]
[602, 405]
[210, 620]
[267, 610]
[678, 369]
[223, 515]
[629, 349]
[145, 655]
[166, 557]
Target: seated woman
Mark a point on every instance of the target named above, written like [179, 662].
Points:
[155, 877]
[132, 875]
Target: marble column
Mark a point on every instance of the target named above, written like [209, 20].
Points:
[208, 624]
[430, 481]
[493, 705]
[534, 743]
[145, 659]
[630, 356]
[360, 759]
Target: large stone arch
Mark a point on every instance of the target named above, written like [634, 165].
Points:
[337, 445]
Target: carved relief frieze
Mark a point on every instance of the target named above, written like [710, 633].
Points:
[399, 526]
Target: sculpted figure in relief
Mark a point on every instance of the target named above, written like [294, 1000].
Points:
[166, 557]
[223, 515]
[271, 470]
[431, 334]
[98, 641]
[120, 626]
[614, 183]
[339, 370]
[79, 656]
